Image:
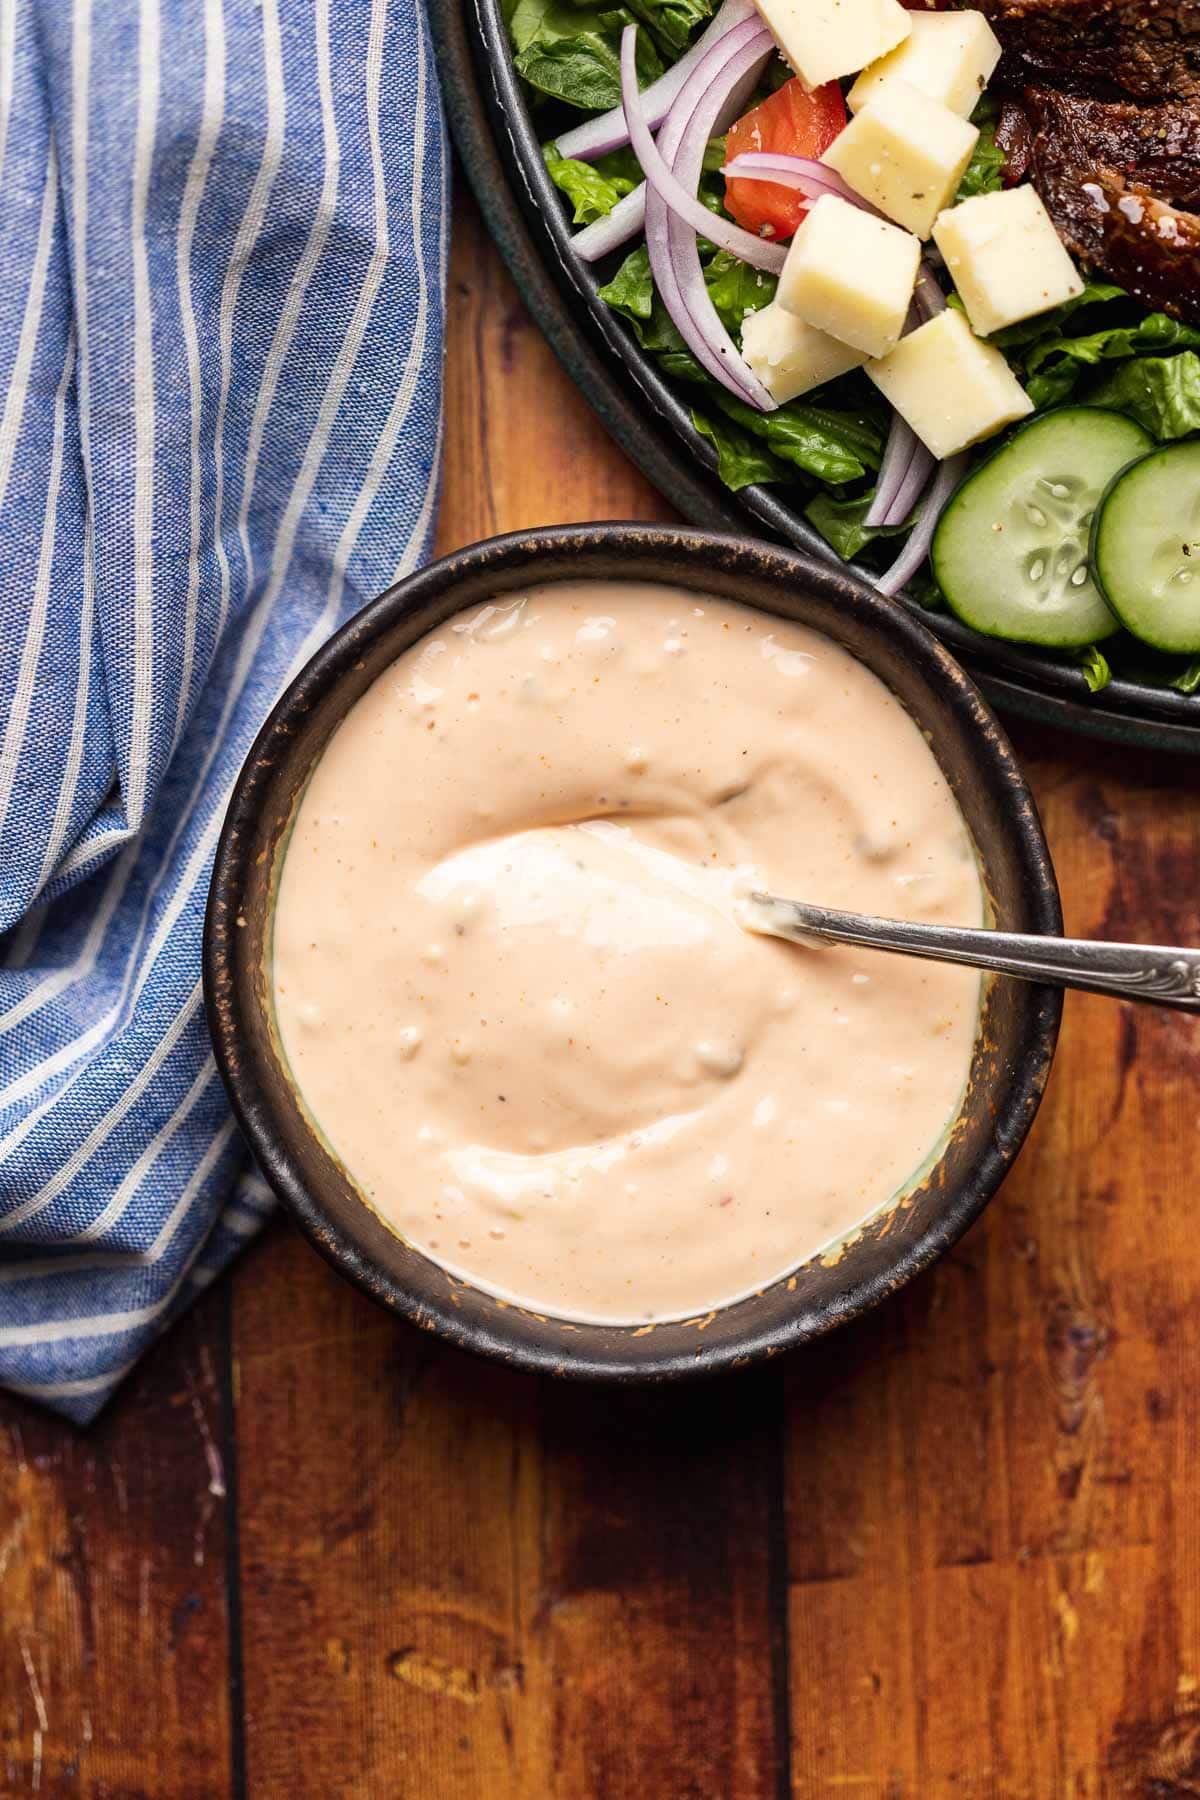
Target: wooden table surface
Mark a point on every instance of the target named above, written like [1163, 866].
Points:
[953, 1550]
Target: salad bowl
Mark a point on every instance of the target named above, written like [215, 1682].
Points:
[651, 416]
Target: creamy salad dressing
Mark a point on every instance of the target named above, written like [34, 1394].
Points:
[508, 970]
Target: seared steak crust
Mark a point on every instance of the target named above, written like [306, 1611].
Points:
[1153, 147]
[1102, 110]
[1147, 247]
[1107, 176]
[1146, 48]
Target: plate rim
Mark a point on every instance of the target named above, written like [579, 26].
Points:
[523, 215]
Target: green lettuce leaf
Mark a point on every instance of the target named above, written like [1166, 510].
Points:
[573, 53]
[841, 523]
[1055, 363]
[751, 446]
[1161, 392]
[831, 445]
[1051, 356]
[534, 21]
[619, 165]
[1153, 333]
[984, 171]
[922, 589]
[631, 290]
[736, 289]
[672, 22]
[1048, 326]
[1054, 387]
[1095, 667]
[632, 293]
[592, 194]
[1188, 680]
[740, 460]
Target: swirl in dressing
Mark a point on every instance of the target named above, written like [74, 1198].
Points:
[509, 975]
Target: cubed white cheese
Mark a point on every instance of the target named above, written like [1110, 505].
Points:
[949, 386]
[905, 153]
[823, 39]
[850, 274]
[790, 357]
[951, 56]
[1005, 258]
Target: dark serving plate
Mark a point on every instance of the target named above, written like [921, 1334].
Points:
[499, 150]
[1013, 1050]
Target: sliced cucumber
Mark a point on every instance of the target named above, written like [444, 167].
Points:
[1146, 547]
[1011, 550]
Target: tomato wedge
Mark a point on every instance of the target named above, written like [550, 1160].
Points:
[796, 121]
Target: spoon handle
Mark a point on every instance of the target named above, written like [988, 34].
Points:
[1157, 973]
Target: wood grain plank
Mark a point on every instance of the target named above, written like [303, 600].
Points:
[522, 447]
[458, 1581]
[461, 1581]
[113, 1625]
[993, 1514]
[655, 1589]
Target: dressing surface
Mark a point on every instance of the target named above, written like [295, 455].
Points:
[510, 978]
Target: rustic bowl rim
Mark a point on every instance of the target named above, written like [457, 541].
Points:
[227, 998]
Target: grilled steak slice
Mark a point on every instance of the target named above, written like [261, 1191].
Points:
[1147, 247]
[1103, 112]
[1147, 48]
[1153, 147]
[1014, 135]
[1107, 215]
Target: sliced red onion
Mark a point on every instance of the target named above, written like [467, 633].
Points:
[916, 479]
[662, 268]
[927, 295]
[907, 464]
[712, 86]
[758, 252]
[628, 216]
[658, 244]
[608, 132]
[709, 113]
[623, 222]
[674, 260]
[916, 549]
[742, 92]
[800, 172]
[898, 454]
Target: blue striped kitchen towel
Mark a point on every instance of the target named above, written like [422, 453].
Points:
[222, 257]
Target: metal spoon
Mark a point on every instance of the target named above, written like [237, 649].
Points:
[1153, 972]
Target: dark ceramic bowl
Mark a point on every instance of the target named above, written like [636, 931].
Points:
[1013, 1051]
